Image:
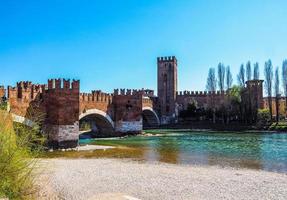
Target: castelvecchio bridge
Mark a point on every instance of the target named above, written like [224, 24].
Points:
[125, 111]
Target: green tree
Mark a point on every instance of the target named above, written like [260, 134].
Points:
[211, 87]
[241, 76]
[248, 71]
[263, 117]
[229, 78]
[277, 92]
[256, 71]
[284, 81]
[221, 76]
[268, 72]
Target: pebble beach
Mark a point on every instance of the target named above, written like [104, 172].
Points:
[93, 179]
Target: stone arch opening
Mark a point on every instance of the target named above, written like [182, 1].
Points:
[96, 123]
[150, 118]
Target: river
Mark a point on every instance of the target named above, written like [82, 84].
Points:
[262, 151]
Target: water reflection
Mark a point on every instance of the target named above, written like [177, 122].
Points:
[239, 150]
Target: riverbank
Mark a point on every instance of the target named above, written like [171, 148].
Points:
[233, 126]
[126, 179]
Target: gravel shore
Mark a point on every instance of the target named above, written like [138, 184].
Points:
[125, 179]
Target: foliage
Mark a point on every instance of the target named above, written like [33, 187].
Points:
[241, 76]
[278, 126]
[248, 71]
[85, 126]
[211, 80]
[235, 94]
[263, 118]
[284, 76]
[277, 92]
[284, 80]
[192, 111]
[256, 71]
[3, 104]
[276, 85]
[229, 78]
[268, 72]
[221, 76]
[18, 147]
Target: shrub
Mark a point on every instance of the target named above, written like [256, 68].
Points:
[280, 126]
[18, 146]
[263, 117]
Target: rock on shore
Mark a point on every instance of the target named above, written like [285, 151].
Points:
[125, 179]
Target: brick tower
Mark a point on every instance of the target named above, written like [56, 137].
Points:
[62, 106]
[167, 87]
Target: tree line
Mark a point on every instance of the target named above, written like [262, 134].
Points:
[224, 81]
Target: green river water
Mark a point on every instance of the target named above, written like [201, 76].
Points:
[264, 151]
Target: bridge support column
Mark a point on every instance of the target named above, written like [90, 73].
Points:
[129, 127]
[63, 136]
[128, 113]
[62, 105]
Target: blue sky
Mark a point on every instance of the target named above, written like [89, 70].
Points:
[111, 44]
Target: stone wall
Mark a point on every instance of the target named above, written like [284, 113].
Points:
[129, 126]
[63, 136]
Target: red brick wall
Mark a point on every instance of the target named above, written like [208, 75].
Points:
[282, 103]
[62, 103]
[2, 91]
[167, 84]
[128, 106]
[203, 99]
[96, 99]
[24, 98]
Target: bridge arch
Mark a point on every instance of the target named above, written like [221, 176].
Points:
[150, 118]
[101, 122]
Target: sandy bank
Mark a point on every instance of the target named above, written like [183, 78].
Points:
[124, 179]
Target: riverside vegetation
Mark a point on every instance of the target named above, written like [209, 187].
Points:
[19, 147]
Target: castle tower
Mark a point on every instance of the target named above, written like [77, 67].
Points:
[167, 87]
[62, 106]
[255, 88]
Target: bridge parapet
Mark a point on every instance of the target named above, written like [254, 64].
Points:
[128, 92]
[25, 90]
[200, 93]
[97, 96]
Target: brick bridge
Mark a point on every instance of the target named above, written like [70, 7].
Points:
[122, 112]
[63, 106]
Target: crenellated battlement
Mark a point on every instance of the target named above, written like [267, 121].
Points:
[166, 59]
[63, 84]
[96, 96]
[200, 93]
[130, 92]
[25, 90]
[24, 84]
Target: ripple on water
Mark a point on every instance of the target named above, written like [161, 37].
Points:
[248, 150]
